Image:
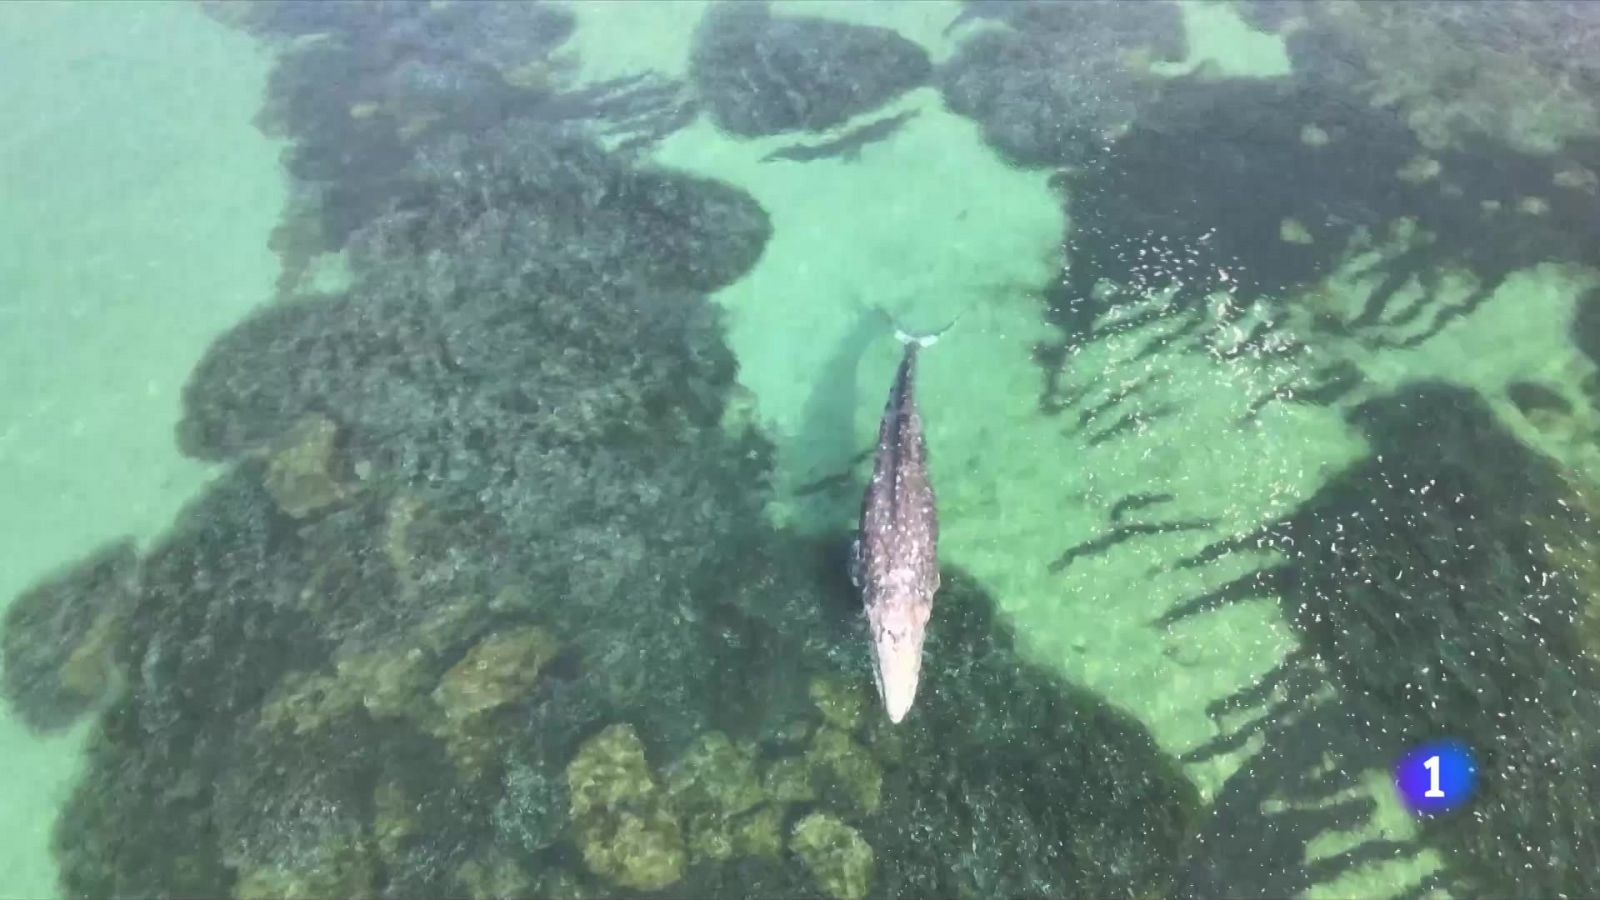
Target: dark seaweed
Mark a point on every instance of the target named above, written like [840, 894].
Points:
[994, 782]
[1557, 36]
[1120, 534]
[1055, 86]
[366, 85]
[397, 354]
[1422, 583]
[1209, 174]
[760, 73]
[56, 638]
[138, 823]
[1199, 195]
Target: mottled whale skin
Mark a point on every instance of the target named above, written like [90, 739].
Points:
[895, 558]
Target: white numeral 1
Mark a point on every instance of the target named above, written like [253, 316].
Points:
[1432, 765]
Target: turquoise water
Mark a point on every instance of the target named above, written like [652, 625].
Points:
[435, 432]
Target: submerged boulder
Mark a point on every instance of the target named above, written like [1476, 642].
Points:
[59, 635]
[471, 300]
[760, 73]
[502, 668]
[625, 824]
[139, 821]
[302, 472]
[715, 788]
[292, 816]
[836, 855]
[1060, 81]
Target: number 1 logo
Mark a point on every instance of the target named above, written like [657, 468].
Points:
[1432, 765]
[1435, 777]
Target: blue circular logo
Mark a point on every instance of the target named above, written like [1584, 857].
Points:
[1436, 776]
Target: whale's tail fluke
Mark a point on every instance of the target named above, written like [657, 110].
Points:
[921, 338]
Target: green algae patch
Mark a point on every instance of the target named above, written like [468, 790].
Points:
[626, 830]
[759, 834]
[841, 703]
[839, 859]
[715, 774]
[788, 780]
[716, 788]
[394, 682]
[500, 669]
[301, 473]
[492, 877]
[845, 771]
[399, 679]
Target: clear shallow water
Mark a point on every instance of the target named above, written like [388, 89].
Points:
[1263, 449]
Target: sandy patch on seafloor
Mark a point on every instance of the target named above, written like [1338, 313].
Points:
[138, 201]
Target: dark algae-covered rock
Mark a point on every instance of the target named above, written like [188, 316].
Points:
[335, 770]
[1521, 72]
[1213, 169]
[1059, 81]
[59, 636]
[617, 251]
[209, 629]
[1475, 637]
[560, 409]
[360, 86]
[761, 73]
[292, 815]
[1322, 216]
[139, 821]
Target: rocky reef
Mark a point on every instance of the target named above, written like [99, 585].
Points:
[1058, 82]
[57, 638]
[1369, 200]
[360, 86]
[1519, 73]
[1328, 176]
[839, 860]
[715, 786]
[1290, 222]
[628, 834]
[483, 602]
[760, 73]
[464, 752]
